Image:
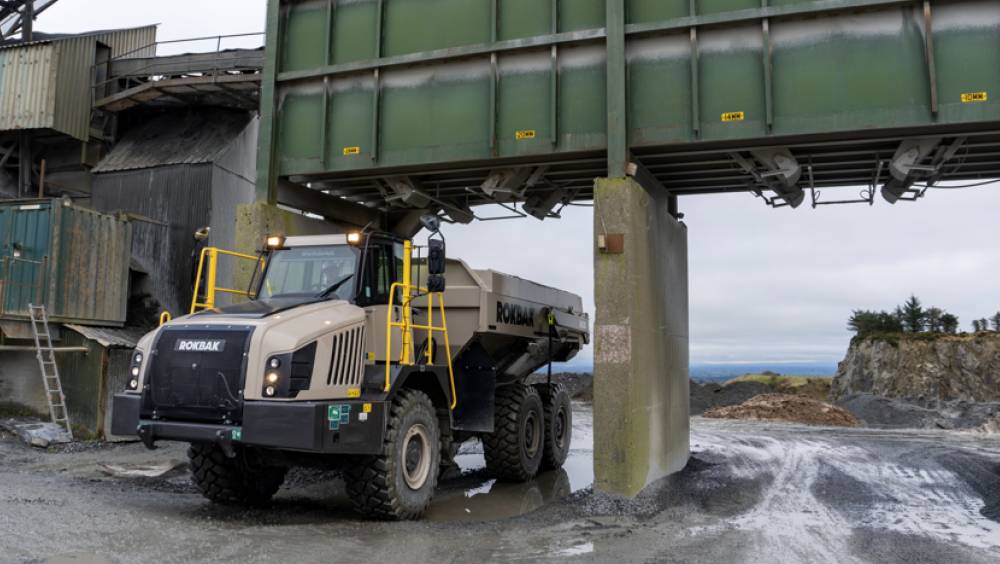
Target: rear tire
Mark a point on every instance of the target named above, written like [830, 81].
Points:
[515, 447]
[232, 480]
[399, 484]
[558, 424]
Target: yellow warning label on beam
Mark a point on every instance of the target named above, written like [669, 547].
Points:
[351, 151]
[525, 134]
[354, 392]
[974, 97]
[733, 116]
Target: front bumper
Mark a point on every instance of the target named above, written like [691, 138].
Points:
[327, 427]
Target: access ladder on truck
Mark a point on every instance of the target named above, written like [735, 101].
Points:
[50, 370]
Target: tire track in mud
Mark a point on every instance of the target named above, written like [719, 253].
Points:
[827, 485]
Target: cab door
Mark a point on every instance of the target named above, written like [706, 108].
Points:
[381, 268]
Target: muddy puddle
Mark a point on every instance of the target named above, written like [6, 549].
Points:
[475, 497]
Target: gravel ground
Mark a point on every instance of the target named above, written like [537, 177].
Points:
[753, 492]
[877, 411]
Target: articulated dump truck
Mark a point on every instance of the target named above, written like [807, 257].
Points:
[354, 355]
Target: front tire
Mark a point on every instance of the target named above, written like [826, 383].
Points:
[232, 480]
[515, 447]
[399, 483]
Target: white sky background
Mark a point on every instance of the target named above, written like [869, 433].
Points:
[766, 285]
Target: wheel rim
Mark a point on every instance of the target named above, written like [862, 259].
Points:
[532, 434]
[416, 457]
[560, 424]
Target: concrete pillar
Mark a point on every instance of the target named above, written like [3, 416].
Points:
[641, 403]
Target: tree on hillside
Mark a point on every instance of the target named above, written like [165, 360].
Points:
[911, 317]
[978, 325]
[985, 324]
[996, 321]
[949, 323]
[864, 322]
[914, 316]
[933, 320]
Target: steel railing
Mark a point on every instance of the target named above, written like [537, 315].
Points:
[409, 292]
[149, 71]
[208, 268]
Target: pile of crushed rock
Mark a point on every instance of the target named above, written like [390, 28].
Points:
[784, 407]
[878, 411]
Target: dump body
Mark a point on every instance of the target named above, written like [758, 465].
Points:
[381, 89]
[73, 260]
[508, 316]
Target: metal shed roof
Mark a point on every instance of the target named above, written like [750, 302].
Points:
[123, 41]
[110, 337]
[195, 137]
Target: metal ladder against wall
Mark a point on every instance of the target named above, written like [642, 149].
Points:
[50, 370]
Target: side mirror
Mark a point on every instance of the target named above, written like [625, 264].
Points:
[435, 257]
[435, 283]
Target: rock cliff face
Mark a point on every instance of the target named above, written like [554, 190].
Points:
[922, 368]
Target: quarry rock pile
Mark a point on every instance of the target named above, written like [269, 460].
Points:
[784, 407]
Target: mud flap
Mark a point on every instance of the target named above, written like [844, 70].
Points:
[475, 386]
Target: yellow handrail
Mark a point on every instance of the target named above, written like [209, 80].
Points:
[165, 318]
[211, 255]
[406, 325]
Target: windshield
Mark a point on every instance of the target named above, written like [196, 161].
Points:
[311, 271]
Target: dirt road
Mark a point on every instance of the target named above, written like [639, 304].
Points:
[753, 492]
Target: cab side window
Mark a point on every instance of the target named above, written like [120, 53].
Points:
[380, 274]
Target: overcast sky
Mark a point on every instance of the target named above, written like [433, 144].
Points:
[766, 285]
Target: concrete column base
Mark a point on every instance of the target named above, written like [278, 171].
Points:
[641, 402]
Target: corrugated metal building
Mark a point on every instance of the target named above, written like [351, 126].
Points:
[48, 84]
[181, 171]
[92, 378]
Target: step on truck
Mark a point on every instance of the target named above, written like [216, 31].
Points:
[354, 354]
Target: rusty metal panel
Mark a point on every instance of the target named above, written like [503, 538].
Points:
[89, 272]
[27, 87]
[73, 260]
[74, 73]
[178, 201]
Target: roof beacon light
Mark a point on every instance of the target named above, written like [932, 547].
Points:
[354, 238]
[275, 242]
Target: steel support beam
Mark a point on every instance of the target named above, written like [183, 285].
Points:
[617, 101]
[330, 207]
[267, 168]
[28, 21]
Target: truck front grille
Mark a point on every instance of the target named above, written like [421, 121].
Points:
[348, 359]
[198, 375]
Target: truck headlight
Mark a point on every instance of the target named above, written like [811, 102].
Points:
[275, 363]
[269, 391]
[273, 378]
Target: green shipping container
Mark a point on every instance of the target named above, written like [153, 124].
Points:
[73, 260]
[446, 93]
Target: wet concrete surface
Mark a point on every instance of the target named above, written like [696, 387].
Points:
[753, 492]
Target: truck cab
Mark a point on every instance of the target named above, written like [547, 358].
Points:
[343, 357]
